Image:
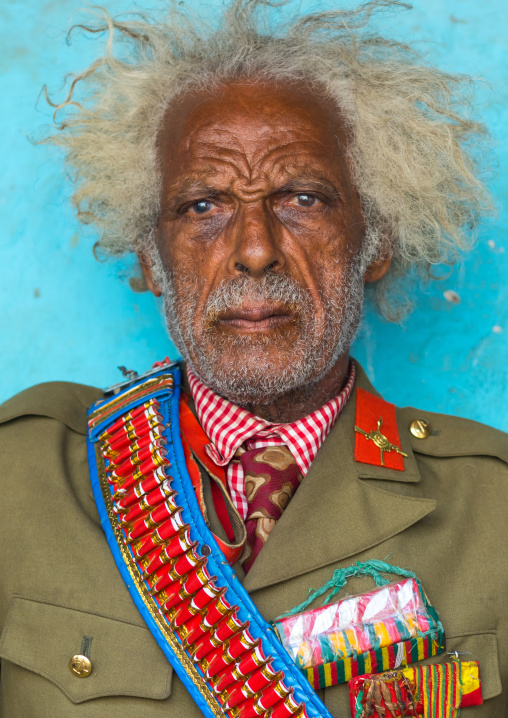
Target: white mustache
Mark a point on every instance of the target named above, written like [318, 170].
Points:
[231, 293]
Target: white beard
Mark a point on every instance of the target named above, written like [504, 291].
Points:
[257, 380]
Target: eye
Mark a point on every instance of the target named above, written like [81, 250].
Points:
[304, 199]
[201, 207]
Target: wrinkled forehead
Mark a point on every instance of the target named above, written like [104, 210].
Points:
[254, 121]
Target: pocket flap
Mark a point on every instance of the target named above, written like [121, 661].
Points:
[126, 660]
[481, 647]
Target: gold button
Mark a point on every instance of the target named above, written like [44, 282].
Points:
[420, 428]
[81, 666]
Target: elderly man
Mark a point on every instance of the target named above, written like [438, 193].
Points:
[263, 180]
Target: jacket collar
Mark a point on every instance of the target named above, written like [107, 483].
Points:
[336, 513]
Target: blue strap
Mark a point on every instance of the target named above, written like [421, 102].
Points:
[217, 565]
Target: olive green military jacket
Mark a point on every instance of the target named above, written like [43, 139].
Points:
[444, 517]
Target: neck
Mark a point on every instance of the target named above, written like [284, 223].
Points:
[304, 400]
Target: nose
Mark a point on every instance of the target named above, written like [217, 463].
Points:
[255, 246]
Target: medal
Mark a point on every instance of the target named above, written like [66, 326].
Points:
[435, 691]
[387, 627]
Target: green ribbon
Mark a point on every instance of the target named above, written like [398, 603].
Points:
[374, 568]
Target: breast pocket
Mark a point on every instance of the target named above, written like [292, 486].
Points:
[42, 639]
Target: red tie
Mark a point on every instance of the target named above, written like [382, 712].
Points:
[271, 479]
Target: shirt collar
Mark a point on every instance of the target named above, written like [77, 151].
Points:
[228, 426]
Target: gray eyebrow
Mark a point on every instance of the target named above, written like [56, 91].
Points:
[186, 190]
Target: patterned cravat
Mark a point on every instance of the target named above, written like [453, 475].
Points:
[229, 427]
[271, 479]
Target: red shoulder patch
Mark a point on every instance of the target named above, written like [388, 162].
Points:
[377, 435]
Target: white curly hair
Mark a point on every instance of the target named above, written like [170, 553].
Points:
[413, 146]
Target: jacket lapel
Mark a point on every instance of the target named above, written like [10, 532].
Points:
[336, 513]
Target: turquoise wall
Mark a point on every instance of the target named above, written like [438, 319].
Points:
[66, 316]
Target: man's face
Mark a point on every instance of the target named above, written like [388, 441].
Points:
[259, 237]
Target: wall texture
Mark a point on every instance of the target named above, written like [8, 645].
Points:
[66, 316]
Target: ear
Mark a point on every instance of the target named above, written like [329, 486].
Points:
[377, 269]
[146, 267]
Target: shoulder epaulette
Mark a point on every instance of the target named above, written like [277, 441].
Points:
[448, 436]
[60, 400]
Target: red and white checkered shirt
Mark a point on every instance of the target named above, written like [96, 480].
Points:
[228, 427]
